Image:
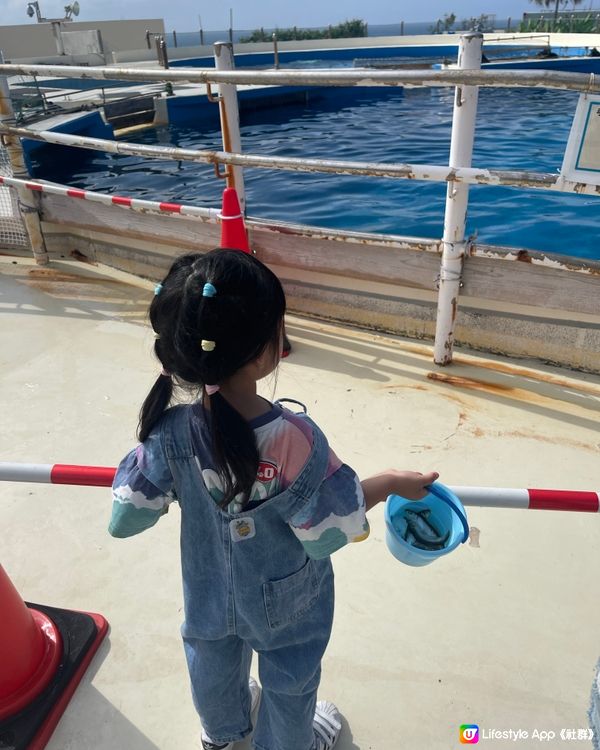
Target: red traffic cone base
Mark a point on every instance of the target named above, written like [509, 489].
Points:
[35, 653]
[233, 231]
[44, 652]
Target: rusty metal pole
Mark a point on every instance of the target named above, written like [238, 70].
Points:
[28, 201]
[457, 196]
[230, 119]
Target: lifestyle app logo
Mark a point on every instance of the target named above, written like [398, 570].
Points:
[469, 734]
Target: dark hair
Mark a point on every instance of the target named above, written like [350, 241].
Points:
[243, 319]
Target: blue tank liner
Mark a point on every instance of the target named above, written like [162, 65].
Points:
[260, 59]
[89, 124]
[569, 64]
[196, 109]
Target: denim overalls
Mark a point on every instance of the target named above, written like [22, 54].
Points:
[249, 585]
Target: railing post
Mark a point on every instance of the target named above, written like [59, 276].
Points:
[28, 200]
[230, 119]
[453, 240]
[57, 34]
[161, 51]
[275, 52]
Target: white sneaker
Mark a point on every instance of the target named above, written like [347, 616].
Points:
[205, 740]
[327, 725]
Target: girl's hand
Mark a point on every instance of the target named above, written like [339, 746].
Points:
[411, 484]
[408, 484]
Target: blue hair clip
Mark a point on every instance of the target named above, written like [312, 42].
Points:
[209, 290]
[157, 289]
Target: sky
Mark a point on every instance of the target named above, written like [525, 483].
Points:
[182, 15]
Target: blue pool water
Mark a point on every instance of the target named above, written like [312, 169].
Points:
[517, 129]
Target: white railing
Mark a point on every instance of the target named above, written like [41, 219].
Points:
[458, 174]
[355, 77]
[420, 172]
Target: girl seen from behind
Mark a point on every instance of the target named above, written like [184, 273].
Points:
[264, 503]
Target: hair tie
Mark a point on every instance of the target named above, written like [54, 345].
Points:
[165, 373]
[211, 389]
[158, 289]
[209, 290]
[156, 335]
[207, 346]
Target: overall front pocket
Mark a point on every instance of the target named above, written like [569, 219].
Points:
[289, 598]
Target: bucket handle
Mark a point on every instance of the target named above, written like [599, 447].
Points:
[445, 497]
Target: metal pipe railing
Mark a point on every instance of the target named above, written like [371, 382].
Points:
[454, 247]
[161, 51]
[585, 82]
[467, 78]
[424, 172]
[484, 497]
[421, 244]
[230, 120]
[275, 52]
[135, 204]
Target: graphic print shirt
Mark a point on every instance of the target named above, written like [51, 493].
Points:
[333, 517]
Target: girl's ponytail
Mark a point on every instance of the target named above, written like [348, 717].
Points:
[155, 404]
[235, 452]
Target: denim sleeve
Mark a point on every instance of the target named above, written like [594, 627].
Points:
[334, 516]
[142, 490]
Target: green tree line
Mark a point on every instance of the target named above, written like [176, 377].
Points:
[353, 28]
[573, 25]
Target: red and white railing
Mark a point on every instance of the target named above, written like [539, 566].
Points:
[91, 476]
[488, 497]
[532, 499]
[134, 204]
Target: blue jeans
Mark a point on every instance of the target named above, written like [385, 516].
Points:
[290, 676]
[249, 586]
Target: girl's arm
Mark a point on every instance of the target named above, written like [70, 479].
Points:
[409, 484]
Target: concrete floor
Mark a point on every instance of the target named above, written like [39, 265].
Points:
[504, 635]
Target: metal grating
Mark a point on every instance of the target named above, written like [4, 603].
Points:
[12, 229]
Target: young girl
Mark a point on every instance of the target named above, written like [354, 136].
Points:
[264, 502]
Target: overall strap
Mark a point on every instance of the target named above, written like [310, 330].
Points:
[175, 432]
[312, 475]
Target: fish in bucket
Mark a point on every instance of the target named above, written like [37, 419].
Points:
[418, 532]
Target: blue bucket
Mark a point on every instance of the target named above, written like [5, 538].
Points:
[447, 515]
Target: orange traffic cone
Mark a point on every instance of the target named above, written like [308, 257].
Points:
[235, 237]
[44, 652]
[30, 650]
[233, 231]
